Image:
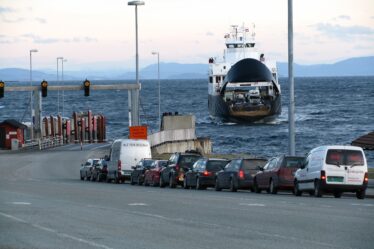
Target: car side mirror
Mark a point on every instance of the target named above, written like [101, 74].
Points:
[302, 166]
[260, 168]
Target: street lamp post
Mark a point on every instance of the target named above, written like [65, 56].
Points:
[135, 93]
[291, 109]
[62, 79]
[31, 95]
[58, 92]
[159, 91]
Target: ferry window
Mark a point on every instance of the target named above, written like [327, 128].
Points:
[218, 79]
[210, 79]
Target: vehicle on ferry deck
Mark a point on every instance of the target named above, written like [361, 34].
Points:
[238, 174]
[100, 171]
[333, 169]
[203, 173]
[277, 174]
[152, 176]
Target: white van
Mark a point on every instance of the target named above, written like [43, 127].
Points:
[124, 154]
[333, 169]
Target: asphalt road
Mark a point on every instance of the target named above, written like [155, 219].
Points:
[43, 204]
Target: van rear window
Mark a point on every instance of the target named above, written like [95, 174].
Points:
[345, 157]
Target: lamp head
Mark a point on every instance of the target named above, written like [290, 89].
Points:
[135, 3]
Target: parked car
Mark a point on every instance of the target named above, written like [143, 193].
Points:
[278, 174]
[152, 176]
[178, 164]
[238, 174]
[203, 173]
[86, 168]
[333, 169]
[124, 154]
[137, 175]
[100, 171]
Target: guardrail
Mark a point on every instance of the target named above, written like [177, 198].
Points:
[50, 142]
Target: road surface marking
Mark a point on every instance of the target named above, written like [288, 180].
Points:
[138, 204]
[98, 147]
[252, 204]
[50, 230]
[363, 205]
[20, 203]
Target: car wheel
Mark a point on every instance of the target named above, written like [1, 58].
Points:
[132, 182]
[146, 183]
[139, 181]
[198, 184]
[172, 182]
[296, 190]
[216, 186]
[161, 184]
[337, 194]
[317, 189]
[256, 187]
[185, 186]
[360, 194]
[232, 185]
[272, 189]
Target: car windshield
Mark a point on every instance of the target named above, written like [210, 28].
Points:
[188, 161]
[87, 164]
[293, 162]
[345, 157]
[214, 166]
[251, 164]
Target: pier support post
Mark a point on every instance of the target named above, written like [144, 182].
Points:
[37, 117]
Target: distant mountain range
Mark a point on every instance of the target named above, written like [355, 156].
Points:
[361, 66]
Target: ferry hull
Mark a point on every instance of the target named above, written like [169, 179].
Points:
[220, 109]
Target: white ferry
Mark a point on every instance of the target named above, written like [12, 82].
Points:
[243, 85]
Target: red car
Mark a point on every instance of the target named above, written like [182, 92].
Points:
[277, 174]
[152, 175]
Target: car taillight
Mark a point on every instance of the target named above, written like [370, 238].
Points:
[119, 165]
[366, 177]
[177, 167]
[241, 174]
[206, 173]
[323, 175]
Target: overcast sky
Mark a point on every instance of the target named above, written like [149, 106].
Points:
[100, 34]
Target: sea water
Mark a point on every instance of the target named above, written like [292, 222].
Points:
[329, 110]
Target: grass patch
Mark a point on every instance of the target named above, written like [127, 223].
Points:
[371, 173]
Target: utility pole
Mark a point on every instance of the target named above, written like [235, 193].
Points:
[291, 110]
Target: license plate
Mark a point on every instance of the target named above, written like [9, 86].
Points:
[334, 179]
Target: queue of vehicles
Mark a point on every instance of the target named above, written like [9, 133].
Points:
[325, 169]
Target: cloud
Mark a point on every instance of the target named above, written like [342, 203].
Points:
[209, 33]
[8, 39]
[40, 20]
[344, 32]
[18, 20]
[50, 40]
[6, 10]
[344, 17]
